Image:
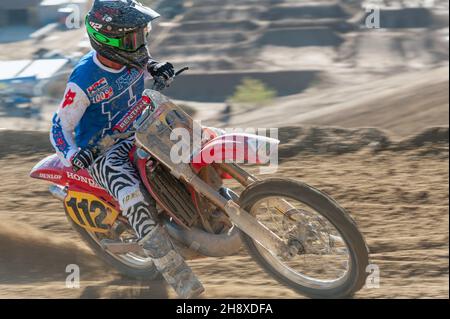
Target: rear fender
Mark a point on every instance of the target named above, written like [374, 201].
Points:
[50, 169]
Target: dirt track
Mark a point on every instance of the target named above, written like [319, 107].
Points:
[398, 197]
[394, 103]
[395, 80]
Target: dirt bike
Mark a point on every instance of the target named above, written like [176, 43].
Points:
[297, 234]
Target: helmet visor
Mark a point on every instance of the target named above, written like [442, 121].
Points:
[131, 41]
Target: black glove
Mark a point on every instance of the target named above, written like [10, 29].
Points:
[163, 70]
[82, 160]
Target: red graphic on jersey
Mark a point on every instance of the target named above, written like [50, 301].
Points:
[97, 84]
[61, 142]
[69, 98]
[100, 91]
[131, 116]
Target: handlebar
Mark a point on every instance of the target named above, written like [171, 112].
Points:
[181, 71]
[160, 83]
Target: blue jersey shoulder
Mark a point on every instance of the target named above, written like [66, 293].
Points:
[82, 73]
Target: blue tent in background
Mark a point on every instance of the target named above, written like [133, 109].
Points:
[20, 78]
[17, 90]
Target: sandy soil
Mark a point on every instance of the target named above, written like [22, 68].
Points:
[399, 199]
[395, 81]
[394, 103]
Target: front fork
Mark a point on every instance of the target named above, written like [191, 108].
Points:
[244, 220]
[282, 206]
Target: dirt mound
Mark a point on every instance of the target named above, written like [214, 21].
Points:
[216, 64]
[207, 3]
[282, 30]
[222, 14]
[29, 254]
[294, 140]
[433, 135]
[301, 37]
[338, 25]
[409, 49]
[336, 141]
[218, 87]
[305, 11]
[214, 26]
[405, 104]
[190, 39]
[404, 108]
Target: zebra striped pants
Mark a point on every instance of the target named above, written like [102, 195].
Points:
[115, 173]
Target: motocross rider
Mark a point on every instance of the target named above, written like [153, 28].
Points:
[102, 93]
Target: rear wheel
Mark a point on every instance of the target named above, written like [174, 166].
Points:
[130, 265]
[330, 255]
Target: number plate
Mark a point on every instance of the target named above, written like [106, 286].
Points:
[89, 212]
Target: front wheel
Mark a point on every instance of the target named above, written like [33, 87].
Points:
[330, 255]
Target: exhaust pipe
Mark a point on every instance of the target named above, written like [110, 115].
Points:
[58, 192]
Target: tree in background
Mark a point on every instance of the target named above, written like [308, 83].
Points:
[252, 91]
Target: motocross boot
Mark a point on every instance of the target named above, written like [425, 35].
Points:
[171, 264]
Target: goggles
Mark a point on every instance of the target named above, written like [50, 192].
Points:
[131, 41]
